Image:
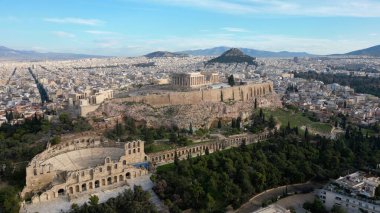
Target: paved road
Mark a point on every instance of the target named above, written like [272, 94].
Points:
[255, 202]
[296, 201]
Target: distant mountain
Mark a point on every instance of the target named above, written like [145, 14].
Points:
[234, 55]
[371, 51]
[26, 55]
[251, 52]
[164, 54]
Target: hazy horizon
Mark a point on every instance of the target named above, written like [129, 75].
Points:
[132, 28]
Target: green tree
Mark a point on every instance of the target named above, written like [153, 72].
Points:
[191, 129]
[377, 192]
[271, 122]
[306, 136]
[315, 207]
[238, 122]
[65, 118]
[176, 160]
[56, 140]
[233, 123]
[9, 200]
[207, 151]
[231, 80]
[337, 209]
[93, 200]
[210, 203]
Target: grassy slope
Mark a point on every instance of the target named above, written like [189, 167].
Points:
[297, 119]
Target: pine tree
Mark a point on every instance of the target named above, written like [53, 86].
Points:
[207, 151]
[231, 80]
[288, 127]
[219, 124]
[176, 160]
[238, 122]
[272, 122]
[233, 123]
[191, 129]
[347, 134]
[306, 134]
[296, 130]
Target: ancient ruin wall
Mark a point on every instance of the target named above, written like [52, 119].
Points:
[237, 93]
[80, 164]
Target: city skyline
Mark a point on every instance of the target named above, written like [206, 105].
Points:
[131, 28]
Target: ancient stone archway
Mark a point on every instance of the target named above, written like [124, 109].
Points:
[84, 187]
[61, 192]
[97, 184]
[128, 175]
[109, 181]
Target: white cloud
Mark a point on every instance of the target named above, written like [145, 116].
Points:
[79, 21]
[319, 8]
[97, 32]
[373, 34]
[63, 34]
[234, 29]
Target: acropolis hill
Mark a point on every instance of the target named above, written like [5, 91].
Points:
[202, 108]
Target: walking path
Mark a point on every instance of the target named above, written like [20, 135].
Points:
[255, 202]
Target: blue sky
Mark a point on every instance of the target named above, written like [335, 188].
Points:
[135, 27]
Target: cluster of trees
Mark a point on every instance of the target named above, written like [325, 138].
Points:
[9, 200]
[19, 143]
[136, 201]
[258, 122]
[291, 88]
[15, 140]
[68, 124]
[359, 83]
[129, 130]
[231, 177]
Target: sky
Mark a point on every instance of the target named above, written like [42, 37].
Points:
[136, 27]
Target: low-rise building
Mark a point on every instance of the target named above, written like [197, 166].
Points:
[354, 193]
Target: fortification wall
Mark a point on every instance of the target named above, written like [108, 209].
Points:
[237, 93]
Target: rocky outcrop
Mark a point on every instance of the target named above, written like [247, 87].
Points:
[200, 115]
[234, 55]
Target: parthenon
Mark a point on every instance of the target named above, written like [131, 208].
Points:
[195, 79]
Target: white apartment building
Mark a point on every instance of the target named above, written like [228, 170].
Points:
[354, 193]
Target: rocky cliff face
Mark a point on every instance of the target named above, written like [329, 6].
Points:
[201, 115]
